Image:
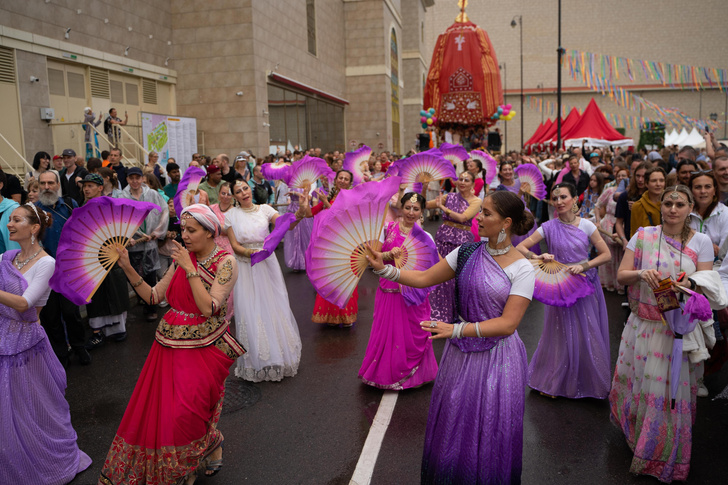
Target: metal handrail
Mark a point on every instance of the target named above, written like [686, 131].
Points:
[134, 140]
[25, 162]
[103, 135]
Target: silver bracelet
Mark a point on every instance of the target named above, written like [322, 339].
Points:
[457, 330]
[389, 272]
[477, 329]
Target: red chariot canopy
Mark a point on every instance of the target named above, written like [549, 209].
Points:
[463, 84]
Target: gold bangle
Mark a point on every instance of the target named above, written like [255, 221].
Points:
[192, 274]
[138, 283]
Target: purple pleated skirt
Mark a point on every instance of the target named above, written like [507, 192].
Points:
[295, 244]
[38, 441]
[572, 359]
[475, 424]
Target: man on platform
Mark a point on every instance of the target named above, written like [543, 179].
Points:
[60, 317]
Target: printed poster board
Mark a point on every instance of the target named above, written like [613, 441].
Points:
[171, 137]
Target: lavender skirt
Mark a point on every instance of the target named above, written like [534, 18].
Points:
[572, 359]
[38, 441]
[295, 244]
[475, 424]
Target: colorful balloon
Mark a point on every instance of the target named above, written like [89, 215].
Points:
[508, 106]
[429, 121]
[432, 111]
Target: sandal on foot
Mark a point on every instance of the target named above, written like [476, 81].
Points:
[214, 466]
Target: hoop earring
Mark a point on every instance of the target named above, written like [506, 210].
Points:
[501, 236]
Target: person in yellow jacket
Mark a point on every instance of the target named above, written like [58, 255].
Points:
[646, 211]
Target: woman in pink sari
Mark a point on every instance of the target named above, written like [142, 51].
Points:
[169, 428]
[399, 354]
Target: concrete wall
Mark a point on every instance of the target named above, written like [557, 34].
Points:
[88, 29]
[668, 31]
[33, 96]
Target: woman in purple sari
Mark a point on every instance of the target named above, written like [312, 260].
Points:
[513, 185]
[475, 423]
[38, 441]
[572, 358]
[296, 240]
[459, 209]
[399, 354]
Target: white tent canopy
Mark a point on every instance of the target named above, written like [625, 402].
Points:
[670, 138]
[683, 135]
[693, 139]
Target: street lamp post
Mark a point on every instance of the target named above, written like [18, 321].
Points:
[540, 86]
[505, 123]
[558, 86]
[520, 26]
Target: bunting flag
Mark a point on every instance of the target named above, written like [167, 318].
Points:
[598, 72]
[595, 70]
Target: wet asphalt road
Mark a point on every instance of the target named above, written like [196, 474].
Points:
[310, 429]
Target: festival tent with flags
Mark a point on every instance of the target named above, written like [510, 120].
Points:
[566, 126]
[594, 130]
[463, 83]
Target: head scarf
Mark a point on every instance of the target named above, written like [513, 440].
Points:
[205, 217]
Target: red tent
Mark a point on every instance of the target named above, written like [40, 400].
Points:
[594, 130]
[567, 125]
[548, 134]
[537, 133]
[542, 127]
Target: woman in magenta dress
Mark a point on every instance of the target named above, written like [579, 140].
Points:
[399, 354]
[37, 440]
[572, 358]
[459, 209]
[475, 422]
[323, 311]
[169, 429]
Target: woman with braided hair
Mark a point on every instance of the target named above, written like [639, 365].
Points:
[263, 318]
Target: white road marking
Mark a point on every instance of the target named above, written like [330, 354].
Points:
[368, 458]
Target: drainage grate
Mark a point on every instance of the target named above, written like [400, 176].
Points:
[239, 394]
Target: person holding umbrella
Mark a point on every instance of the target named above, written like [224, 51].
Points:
[656, 260]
